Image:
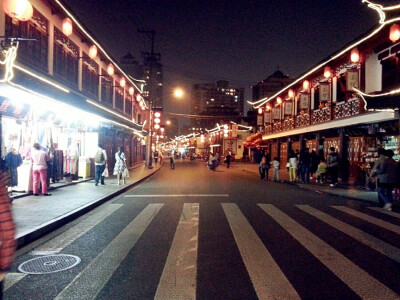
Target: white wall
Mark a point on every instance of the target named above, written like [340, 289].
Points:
[373, 74]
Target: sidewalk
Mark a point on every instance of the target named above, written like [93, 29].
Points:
[35, 216]
[340, 190]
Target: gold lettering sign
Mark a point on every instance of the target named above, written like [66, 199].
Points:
[324, 91]
[351, 80]
[277, 113]
[288, 107]
[267, 117]
[304, 101]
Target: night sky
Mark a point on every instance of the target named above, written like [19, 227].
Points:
[240, 41]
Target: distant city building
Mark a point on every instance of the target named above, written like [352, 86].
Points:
[216, 99]
[132, 66]
[272, 84]
[153, 75]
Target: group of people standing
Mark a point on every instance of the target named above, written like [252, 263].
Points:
[101, 171]
[303, 165]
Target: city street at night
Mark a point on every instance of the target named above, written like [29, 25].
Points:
[193, 233]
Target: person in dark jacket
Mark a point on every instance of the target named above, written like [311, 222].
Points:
[314, 163]
[386, 169]
[333, 166]
[305, 164]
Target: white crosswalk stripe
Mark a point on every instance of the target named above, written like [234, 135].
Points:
[352, 275]
[93, 278]
[368, 218]
[390, 213]
[268, 279]
[178, 280]
[359, 235]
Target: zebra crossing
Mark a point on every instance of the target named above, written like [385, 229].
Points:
[179, 276]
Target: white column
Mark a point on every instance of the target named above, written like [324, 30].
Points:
[334, 89]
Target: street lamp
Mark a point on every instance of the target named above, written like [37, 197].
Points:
[178, 93]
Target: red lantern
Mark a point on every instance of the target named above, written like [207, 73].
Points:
[291, 93]
[355, 55]
[394, 34]
[67, 26]
[110, 69]
[92, 51]
[131, 91]
[157, 114]
[306, 85]
[327, 72]
[260, 111]
[21, 10]
[279, 100]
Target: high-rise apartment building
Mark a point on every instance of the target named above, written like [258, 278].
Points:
[218, 101]
[273, 83]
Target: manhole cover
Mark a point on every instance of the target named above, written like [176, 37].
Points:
[49, 264]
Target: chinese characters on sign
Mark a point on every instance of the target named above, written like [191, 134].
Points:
[277, 113]
[324, 91]
[267, 117]
[288, 107]
[259, 120]
[231, 146]
[304, 101]
[7, 108]
[351, 80]
[235, 129]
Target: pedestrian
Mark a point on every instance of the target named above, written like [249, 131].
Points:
[263, 168]
[293, 166]
[100, 161]
[39, 160]
[7, 231]
[321, 171]
[120, 166]
[305, 163]
[386, 169]
[333, 166]
[171, 160]
[275, 164]
[228, 159]
[161, 158]
[155, 157]
[314, 163]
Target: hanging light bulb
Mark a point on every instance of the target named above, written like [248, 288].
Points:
[110, 69]
[355, 55]
[327, 72]
[92, 51]
[67, 26]
[394, 34]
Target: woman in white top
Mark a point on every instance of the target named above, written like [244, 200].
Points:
[120, 165]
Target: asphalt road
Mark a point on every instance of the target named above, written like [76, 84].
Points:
[193, 233]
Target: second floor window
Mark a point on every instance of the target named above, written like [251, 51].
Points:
[65, 58]
[119, 99]
[106, 90]
[90, 77]
[128, 105]
[33, 53]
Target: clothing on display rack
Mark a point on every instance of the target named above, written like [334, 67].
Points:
[13, 161]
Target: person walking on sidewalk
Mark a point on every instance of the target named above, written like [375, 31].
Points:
[7, 231]
[263, 168]
[120, 165]
[293, 166]
[333, 166]
[39, 160]
[228, 159]
[275, 164]
[305, 163]
[386, 169]
[100, 161]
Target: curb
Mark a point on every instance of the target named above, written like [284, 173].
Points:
[52, 225]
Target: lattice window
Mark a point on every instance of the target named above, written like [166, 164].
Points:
[119, 99]
[90, 76]
[128, 104]
[106, 89]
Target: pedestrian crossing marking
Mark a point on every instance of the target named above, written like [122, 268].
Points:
[178, 279]
[88, 283]
[268, 279]
[352, 275]
[390, 213]
[355, 233]
[370, 219]
[61, 241]
[12, 278]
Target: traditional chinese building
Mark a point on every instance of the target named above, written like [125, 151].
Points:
[349, 101]
[60, 88]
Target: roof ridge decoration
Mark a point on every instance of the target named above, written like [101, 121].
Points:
[382, 21]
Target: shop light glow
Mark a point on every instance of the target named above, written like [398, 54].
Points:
[93, 51]
[67, 26]
[383, 22]
[131, 91]
[355, 55]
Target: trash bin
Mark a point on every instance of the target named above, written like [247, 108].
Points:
[84, 167]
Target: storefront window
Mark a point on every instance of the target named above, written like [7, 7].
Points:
[119, 99]
[34, 52]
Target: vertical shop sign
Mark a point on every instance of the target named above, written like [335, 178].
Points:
[324, 91]
[231, 146]
[304, 101]
[267, 117]
[288, 107]
[235, 129]
[351, 80]
[277, 113]
[259, 120]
